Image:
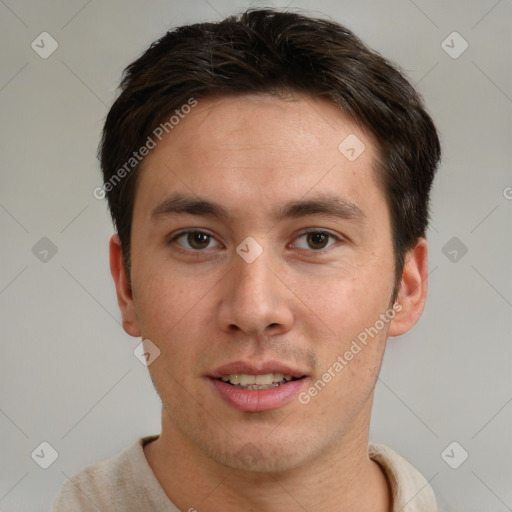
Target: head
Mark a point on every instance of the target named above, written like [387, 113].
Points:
[263, 51]
[247, 116]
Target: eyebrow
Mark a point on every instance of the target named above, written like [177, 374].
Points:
[327, 205]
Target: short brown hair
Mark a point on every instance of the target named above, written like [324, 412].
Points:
[268, 51]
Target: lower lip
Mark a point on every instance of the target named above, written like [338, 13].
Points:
[256, 400]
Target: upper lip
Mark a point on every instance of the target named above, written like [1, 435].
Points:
[245, 367]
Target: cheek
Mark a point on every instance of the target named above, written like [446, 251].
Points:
[172, 315]
[344, 304]
[342, 317]
[168, 304]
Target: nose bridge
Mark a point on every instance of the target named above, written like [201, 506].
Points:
[254, 298]
[252, 279]
[251, 284]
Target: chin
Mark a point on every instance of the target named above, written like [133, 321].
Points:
[261, 447]
[262, 455]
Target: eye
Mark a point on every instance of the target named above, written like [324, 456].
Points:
[195, 240]
[316, 240]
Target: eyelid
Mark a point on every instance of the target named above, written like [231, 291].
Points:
[178, 234]
[336, 236]
[174, 236]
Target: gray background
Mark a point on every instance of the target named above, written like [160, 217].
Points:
[68, 375]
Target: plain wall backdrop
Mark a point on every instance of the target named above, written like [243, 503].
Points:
[68, 376]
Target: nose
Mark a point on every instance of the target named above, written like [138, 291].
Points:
[255, 300]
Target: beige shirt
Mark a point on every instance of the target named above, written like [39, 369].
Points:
[126, 482]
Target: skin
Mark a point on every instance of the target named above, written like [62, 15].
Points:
[295, 303]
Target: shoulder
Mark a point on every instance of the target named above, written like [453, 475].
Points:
[411, 491]
[123, 479]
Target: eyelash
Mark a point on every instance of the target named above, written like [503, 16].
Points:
[181, 234]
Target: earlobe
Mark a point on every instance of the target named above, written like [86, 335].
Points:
[123, 288]
[412, 294]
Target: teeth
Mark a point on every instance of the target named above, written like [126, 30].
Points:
[234, 379]
[247, 380]
[264, 380]
[261, 380]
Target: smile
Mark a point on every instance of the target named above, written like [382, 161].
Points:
[262, 381]
[254, 397]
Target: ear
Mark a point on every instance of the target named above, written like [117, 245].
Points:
[412, 293]
[123, 288]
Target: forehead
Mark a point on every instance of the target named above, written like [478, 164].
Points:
[264, 146]
[294, 124]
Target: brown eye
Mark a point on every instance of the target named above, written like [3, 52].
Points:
[316, 240]
[198, 240]
[195, 240]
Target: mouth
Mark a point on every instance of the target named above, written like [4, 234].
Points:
[257, 387]
[260, 381]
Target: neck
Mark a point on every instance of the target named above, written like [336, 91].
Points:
[341, 479]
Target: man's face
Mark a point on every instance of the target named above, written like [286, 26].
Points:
[322, 278]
